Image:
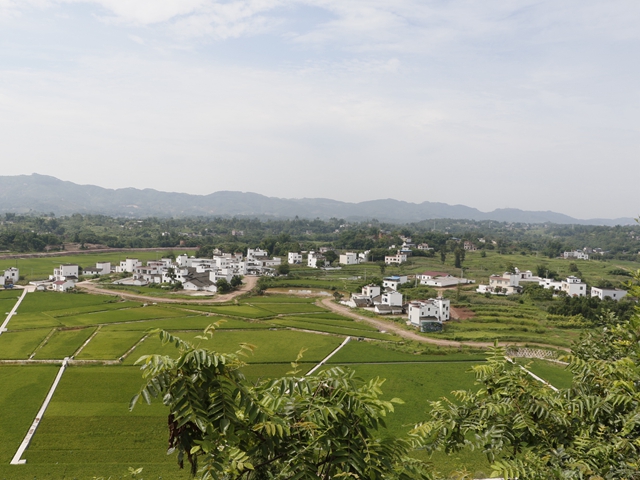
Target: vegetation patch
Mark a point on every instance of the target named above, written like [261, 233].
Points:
[19, 345]
[23, 390]
[245, 311]
[353, 332]
[271, 346]
[49, 301]
[64, 343]
[109, 344]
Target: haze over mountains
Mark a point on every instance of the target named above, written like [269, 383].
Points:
[43, 194]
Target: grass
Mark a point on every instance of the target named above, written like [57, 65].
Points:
[189, 323]
[509, 322]
[126, 315]
[64, 343]
[290, 308]
[49, 301]
[23, 390]
[346, 323]
[271, 346]
[19, 345]
[7, 294]
[275, 298]
[368, 352]
[89, 432]
[416, 385]
[337, 330]
[109, 344]
[245, 311]
[554, 373]
[89, 429]
[94, 309]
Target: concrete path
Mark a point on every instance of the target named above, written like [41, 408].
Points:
[17, 458]
[3, 327]
[325, 359]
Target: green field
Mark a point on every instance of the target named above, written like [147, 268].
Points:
[22, 392]
[64, 343]
[88, 432]
[509, 322]
[245, 311]
[109, 344]
[271, 346]
[19, 345]
[335, 329]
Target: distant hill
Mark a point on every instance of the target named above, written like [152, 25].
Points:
[44, 194]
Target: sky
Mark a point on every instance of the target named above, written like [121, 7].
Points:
[491, 104]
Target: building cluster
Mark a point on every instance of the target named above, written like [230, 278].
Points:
[9, 277]
[582, 254]
[319, 260]
[426, 315]
[195, 274]
[429, 315]
[510, 283]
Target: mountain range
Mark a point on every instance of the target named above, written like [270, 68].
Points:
[43, 194]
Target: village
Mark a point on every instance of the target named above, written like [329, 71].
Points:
[205, 275]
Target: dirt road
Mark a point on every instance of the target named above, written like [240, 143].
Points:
[247, 284]
[391, 327]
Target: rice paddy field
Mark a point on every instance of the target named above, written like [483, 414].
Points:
[88, 432]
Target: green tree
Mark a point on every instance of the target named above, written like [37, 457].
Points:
[236, 281]
[283, 269]
[443, 255]
[223, 286]
[325, 426]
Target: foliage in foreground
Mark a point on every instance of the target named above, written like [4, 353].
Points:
[322, 426]
[590, 430]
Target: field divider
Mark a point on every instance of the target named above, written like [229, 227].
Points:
[17, 458]
[3, 327]
[128, 352]
[77, 352]
[541, 380]
[325, 359]
[43, 342]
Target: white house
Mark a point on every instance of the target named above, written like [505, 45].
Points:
[574, 287]
[10, 276]
[433, 309]
[577, 254]
[62, 285]
[396, 259]
[506, 284]
[294, 258]
[391, 298]
[65, 272]
[128, 265]
[348, 258]
[394, 281]
[316, 260]
[256, 253]
[550, 284]
[371, 290]
[469, 246]
[613, 293]
[364, 256]
[104, 267]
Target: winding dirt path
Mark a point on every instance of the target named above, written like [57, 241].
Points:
[392, 327]
[247, 284]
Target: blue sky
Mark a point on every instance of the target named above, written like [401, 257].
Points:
[493, 104]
